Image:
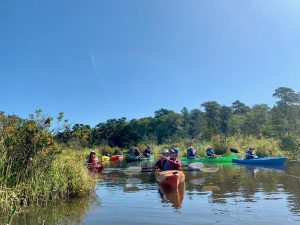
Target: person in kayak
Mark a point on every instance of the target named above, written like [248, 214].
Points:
[92, 158]
[93, 163]
[147, 153]
[210, 152]
[106, 154]
[250, 153]
[191, 153]
[118, 152]
[159, 165]
[173, 163]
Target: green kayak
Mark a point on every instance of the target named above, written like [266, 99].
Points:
[133, 158]
[223, 159]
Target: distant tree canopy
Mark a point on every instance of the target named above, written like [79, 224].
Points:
[281, 122]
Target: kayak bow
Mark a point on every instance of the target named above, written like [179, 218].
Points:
[170, 178]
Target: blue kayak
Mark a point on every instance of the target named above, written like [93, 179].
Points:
[261, 161]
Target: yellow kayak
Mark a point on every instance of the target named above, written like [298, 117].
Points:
[105, 158]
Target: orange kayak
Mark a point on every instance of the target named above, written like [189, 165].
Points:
[170, 178]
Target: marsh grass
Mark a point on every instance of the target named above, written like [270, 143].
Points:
[263, 146]
[65, 177]
[34, 169]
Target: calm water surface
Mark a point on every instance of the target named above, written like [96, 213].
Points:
[232, 195]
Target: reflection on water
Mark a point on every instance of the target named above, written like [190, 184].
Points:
[68, 212]
[175, 197]
[232, 194]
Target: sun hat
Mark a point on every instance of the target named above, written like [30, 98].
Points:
[165, 151]
[175, 150]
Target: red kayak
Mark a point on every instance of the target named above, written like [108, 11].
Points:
[114, 158]
[170, 178]
[94, 167]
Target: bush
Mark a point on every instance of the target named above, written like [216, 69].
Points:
[290, 143]
[33, 169]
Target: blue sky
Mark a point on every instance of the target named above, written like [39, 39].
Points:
[96, 60]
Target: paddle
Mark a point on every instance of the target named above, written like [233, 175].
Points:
[197, 166]
[233, 150]
[190, 167]
[210, 170]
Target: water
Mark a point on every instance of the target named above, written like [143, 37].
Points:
[232, 195]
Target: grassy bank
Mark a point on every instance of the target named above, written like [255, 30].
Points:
[64, 178]
[33, 168]
[263, 146]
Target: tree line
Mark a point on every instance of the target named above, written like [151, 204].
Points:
[281, 122]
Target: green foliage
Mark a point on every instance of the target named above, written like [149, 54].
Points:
[286, 96]
[22, 141]
[213, 120]
[239, 108]
[215, 124]
[290, 143]
[65, 177]
[32, 167]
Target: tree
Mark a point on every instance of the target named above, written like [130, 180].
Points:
[162, 112]
[235, 124]
[169, 127]
[225, 115]
[197, 121]
[286, 112]
[239, 107]
[185, 121]
[144, 128]
[260, 117]
[287, 96]
[115, 132]
[81, 134]
[212, 115]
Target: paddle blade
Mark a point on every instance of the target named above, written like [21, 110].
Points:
[147, 169]
[195, 166]
[233, 150]
[134, 169]
[210, 169]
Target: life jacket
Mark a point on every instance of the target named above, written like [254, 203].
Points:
[249, 155]
[191, 153]
[209, 152]
[172, 164]
[166, 165]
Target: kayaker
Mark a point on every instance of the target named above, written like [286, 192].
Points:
[93, 163]
[190, 153]
[159, 165]
[173, 163]
[210, 152]
[92, 158]
[118, 152]
[250, 153]
[106, 154]
[147, 153]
